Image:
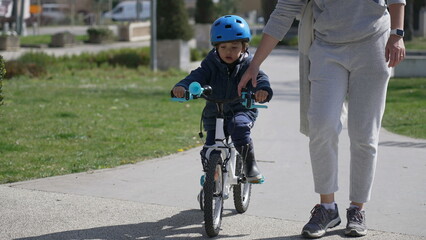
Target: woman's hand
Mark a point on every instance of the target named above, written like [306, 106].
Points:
[395, 50]
[267, 43]
[250, 73]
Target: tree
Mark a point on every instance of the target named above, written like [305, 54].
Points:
[418, 4]
[226, 7]
[172, 20]
[268, 7]
[409, 20]
[2, 73]
[204, 11]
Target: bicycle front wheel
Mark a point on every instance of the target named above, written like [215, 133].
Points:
[213, 196]
[242, 191]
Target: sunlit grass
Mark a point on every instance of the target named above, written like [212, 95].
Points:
[406, 107]
[78, 120]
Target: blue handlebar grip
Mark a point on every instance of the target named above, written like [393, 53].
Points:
[259, 106]
[195, 89]
[249, 102]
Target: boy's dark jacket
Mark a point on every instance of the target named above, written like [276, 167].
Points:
[216, 73]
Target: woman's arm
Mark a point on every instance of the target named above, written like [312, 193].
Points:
[278, 24]
[267, 43]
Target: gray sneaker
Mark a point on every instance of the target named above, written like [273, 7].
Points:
[356, 223]
[321, 220]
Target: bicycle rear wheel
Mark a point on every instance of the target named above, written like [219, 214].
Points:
[213, 196]
[242, 191]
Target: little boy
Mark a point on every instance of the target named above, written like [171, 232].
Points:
[222, 70]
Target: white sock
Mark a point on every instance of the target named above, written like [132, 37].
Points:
[329, 206]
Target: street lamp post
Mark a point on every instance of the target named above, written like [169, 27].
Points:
[154, 35]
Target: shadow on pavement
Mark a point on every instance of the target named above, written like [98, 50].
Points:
[184, 225]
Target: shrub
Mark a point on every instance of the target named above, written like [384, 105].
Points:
[129, 58]
[32, 64]
[287, 41]
[39, 58]
[172, 20]
[16, 68]
[100, 35]
[198, 54]
[102, 32]
[39, 64]
[292, 41]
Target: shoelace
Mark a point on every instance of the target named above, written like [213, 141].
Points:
[318, 214]
[355, 215]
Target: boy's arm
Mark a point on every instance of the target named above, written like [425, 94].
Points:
[200, 75]
[263, 84]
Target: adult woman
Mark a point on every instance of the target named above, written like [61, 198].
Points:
[355, 43]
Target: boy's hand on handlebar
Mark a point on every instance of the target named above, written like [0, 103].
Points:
[179, 92]
[261, 96]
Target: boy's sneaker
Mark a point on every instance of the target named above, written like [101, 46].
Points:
[321, 220]
[356, 226]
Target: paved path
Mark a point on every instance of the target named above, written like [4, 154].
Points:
[156, 199]
[75, 50]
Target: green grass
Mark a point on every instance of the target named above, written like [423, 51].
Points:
[73, 121]
[85, 114]
[406, 107]
[416, 44]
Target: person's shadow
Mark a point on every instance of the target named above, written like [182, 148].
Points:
[179, 226]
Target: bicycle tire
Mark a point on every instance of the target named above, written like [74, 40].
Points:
[242, 191]
[200, 199]
[213, 196]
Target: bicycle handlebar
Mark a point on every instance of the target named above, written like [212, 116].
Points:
[196, 91]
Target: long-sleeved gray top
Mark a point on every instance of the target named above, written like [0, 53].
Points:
[336, 21]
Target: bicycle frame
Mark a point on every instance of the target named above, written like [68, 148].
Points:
[229, 156]
[220, 172]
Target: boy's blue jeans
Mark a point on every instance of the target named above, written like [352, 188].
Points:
[238, 127]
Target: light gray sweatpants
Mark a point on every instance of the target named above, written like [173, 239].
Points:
[359, 73]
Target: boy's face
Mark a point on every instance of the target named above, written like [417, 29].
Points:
[229, 52]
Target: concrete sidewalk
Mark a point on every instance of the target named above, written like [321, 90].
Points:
[156, 199]
[39, 215]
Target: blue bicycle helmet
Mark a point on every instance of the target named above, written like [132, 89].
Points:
[229, 28]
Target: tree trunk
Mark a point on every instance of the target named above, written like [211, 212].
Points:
[409, 20]
[268, 7]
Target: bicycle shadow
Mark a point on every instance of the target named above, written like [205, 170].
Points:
[186, 224]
